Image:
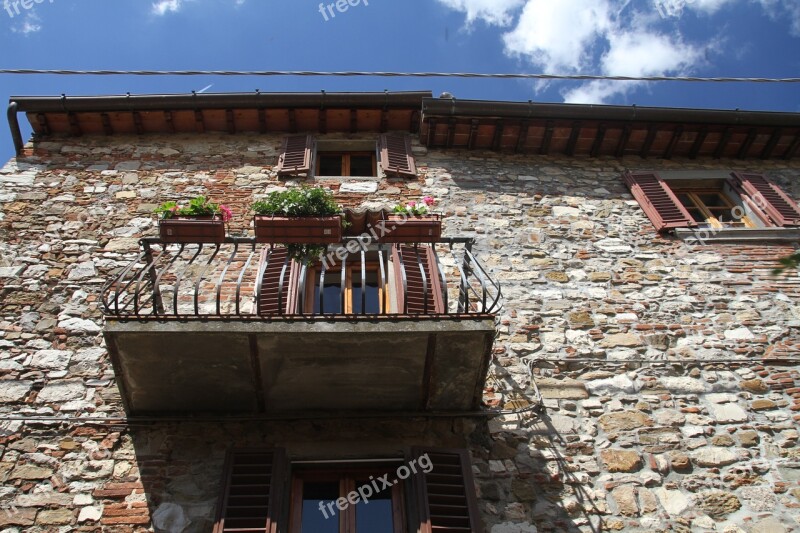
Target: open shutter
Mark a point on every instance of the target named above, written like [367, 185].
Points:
[253, 495]
[658, 202]
[446, 495]
[769, 198]
[396, 156]
[276, 293]
[422, 291]
[296, 157]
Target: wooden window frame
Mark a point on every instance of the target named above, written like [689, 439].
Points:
[710, 219]
[335, 270]
[350, 479]
[346, 167]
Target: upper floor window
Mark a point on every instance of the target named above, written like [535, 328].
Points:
[305, 155]
[707, 200]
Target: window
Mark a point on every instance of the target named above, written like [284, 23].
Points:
[410, 283]
[319, 500]
[360, 294]
[264, 492]
[346, 164]
[738, 201]
[304, 155]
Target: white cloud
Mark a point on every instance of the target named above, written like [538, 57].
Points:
[559, 36]
[162, 7]
[496, 12]
[780, 9]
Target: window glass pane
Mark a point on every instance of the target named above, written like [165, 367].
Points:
[712, 200]
[370, 288]
[375, 516]
[330, 165]
[361, 165]
[320, 514]
[332, 293]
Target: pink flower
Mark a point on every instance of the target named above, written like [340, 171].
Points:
[412, 204]
[429, 201]
[227, 214]
[175, 208]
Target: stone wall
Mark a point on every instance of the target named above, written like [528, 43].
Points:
[670, 402]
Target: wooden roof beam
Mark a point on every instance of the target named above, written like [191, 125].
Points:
[699, 141]
[451, 132]
[766, 153]
[549, 127]
[673, 142]
[748, 142]
[292, 120]
[598, 140]
[107, 129]
[723, 142]
[792, 150]
[322, 121]
[230, 118]
[497, 138]
[353, 120]
[262, 120]
[74, 127]
[41, 119]
[170, 123]
[473, 133]
[648, 141]
[623, 141]
[573, 138]
[199, 121]
[522, 137]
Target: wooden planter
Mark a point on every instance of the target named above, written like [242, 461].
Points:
[189, 229]
[298, 230]
[420, 228]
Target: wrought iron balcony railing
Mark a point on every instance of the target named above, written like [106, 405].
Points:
[242, 279]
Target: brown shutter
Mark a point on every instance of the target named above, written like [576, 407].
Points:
[396, 156]
[446, 495]
[658, 202]
[297, 155]
[769, 197]
[277, 293]
[253, 496]
[415, 260]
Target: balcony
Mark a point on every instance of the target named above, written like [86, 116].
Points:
[239, 327]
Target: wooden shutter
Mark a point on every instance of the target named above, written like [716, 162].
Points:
[277, 293]
[296, 157]
[396, 156]
[769, 197]
[254, 487]
[415, 260]
[658, 202]
[446, 495]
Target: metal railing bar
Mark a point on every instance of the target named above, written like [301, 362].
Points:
[239, 282]
[282, 278]
[363, 281]
[343, 283]
[302, 288]
[116, 281]
[463, 295]
[322, 273]
[180, 278]
[200, 277]
[157, 284]
[443, 279]
[222, 278]
[478, 273]
[136, 292]
[266, 256]
[383, 306]
[424, 279]
[403, 278]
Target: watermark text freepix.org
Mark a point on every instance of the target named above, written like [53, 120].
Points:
[339, 5]
[376, 486]
[16, 7]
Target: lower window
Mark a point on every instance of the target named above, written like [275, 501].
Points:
[345, 501]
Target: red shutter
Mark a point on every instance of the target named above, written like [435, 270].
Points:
[769, 198]
[414, 261]
[253, 496]
[297, 155]
[658, 202]
[277, 291]
[446, 495]
[396, 156]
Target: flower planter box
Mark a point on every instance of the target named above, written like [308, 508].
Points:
[412, 228]
[192, 229]
[298, 230]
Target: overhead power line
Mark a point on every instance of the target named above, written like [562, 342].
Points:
[530, 76]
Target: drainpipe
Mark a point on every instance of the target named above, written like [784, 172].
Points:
[13, 124]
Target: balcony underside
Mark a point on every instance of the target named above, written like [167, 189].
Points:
[287, 366]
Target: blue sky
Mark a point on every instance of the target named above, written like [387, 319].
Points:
[742, 38]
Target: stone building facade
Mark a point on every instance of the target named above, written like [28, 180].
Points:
[638, 381]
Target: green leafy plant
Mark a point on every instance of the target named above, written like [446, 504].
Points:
[198, 206]
[299, 202]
